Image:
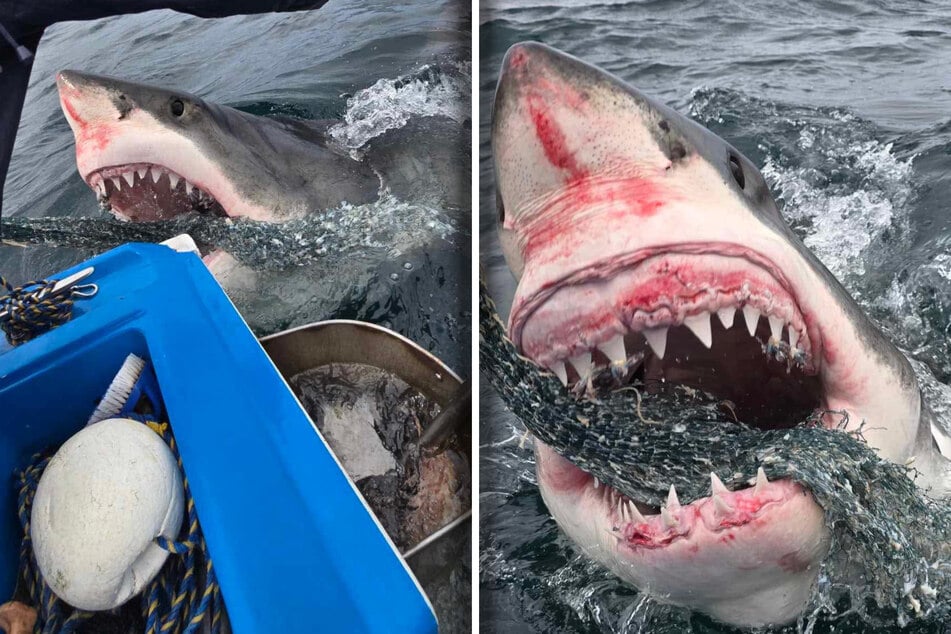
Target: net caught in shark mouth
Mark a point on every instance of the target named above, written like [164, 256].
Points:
[741, 543]
[143, 192]
[708, 319]
[718, 323]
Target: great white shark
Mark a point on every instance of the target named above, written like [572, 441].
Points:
[645, 243]
[152, 153]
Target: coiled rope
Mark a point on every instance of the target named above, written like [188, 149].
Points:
[34, 308]
[182, 597]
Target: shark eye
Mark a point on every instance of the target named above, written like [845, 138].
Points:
[178, 108]
[737, 170]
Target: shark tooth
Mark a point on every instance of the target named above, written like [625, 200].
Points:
[597, 482]
[776, 327]
[142, 172]
[752, 319]
[673, 503]
[614, 349]
[635, 513]
[727, 316]
[582, 363]
[669, 520]
[699, 325]
[117, 182]
[129, 178]
[721, 506]
[793, 336]
[761, 481]
[559, 370]
[716, 485]
[156, 174]
[173, 179]
[657, 339]
[188, 188]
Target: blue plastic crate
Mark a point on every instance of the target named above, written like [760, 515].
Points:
[295, 546]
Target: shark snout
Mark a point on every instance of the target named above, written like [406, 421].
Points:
[90, 100]
[71, 97]
[562, 127]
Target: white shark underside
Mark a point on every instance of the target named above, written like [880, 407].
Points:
[645, 242]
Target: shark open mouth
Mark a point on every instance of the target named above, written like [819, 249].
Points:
[710, 317]
[144, 192]
[706, 318]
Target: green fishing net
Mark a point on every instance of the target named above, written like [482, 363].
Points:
[890, 560]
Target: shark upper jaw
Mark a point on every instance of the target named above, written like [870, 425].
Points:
[713, 316]
[140, 167]
[143, 192]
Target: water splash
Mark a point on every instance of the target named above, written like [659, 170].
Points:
[845, 190]
[389, 103]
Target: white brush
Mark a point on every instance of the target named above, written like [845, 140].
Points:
[119, 390]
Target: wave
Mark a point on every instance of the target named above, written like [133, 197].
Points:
[432, 90]
[842, 189]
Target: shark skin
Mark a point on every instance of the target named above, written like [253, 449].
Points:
[642, 241]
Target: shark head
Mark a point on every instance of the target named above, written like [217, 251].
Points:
[647, 247]
[152, 154]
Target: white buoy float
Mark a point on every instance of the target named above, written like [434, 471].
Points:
[105, 496]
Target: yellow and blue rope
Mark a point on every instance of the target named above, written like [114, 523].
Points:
[32, 309]
[187, 590]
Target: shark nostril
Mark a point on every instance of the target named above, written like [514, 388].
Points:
[677, 151]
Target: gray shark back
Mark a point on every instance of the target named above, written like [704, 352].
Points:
[286, 164]
[421, 161]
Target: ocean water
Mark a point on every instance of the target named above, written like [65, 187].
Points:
[371, 65]
[846, 107]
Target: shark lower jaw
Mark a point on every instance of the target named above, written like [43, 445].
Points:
[147, 192]
[748, 557]
[713, 317]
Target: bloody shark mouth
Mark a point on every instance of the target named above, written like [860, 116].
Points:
[708, 318]
[711, 318]
[143, 192]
